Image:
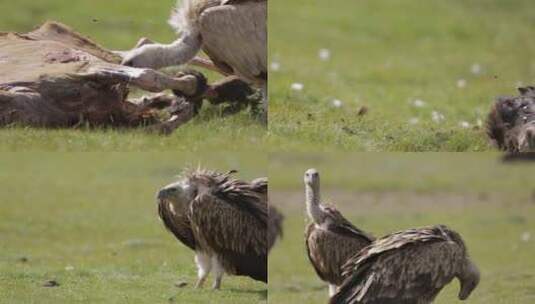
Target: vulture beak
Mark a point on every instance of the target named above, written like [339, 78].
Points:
[164, 193]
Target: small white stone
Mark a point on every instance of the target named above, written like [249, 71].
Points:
[297, 86]
[461, 83]
[519, 84]
[414, 121]
[437, 116]
[69, 268]
[526, 236]
[464, 124]
[275, 66]
[418, 103]
[337, 103]
[324, 54]
[476, 69]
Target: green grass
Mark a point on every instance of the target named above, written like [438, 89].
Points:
[492, 205]
[119, 25]
[89, 221]
[385, 55]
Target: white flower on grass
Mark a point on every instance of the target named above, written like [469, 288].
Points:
[464, 124]
[476, 69]
[69, 268]
[275, 66]
[414, 121]
[297, 86]
[479, 123]
[525, 237]
[437, 116]
[461, 83]
[324, 54]
[418, 103]
[337, 103]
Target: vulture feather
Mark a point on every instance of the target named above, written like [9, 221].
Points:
[223, 219]
[276, 219]
[410, 266]
[330, 238]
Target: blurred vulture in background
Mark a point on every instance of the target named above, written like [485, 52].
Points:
[411, 266]
[330, 239]
[511, 122]
[223, 219]
[233, 33]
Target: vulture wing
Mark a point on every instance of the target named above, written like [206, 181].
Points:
[274, 226]
[235, 230]
[260, 185]
[235, 38]
[340, 225]
[177, 223]
[329, 248]
[404, 267]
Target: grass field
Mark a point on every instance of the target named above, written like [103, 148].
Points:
[401, 59]
[490, 204]
[118, 25]
[89, 222]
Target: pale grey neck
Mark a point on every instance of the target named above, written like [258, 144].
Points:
[313, 203]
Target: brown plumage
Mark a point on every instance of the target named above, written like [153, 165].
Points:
[511, 122]
[235, 38]
[330, 239]
[275, 220]
[408, 267]
[223, 219]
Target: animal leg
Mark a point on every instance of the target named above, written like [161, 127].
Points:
[332, 290]
[207, 64]
[204, 266]
[218, 273]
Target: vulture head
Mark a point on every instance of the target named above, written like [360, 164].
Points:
[312, 178]
[192, 184]
[181, 192]
[469, 278]
[511, 123]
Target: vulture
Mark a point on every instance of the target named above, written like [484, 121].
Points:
[410, 266]
[511, 122]
[233, 33]
[330, 239]
[223, 219]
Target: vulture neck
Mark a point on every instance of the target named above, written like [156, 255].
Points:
[313, 203]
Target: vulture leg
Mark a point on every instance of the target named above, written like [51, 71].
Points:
[332, 290]
[204, 265]
[219, 271]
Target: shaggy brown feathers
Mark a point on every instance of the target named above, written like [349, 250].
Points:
[227, 218]
[411, 266]
[330, 246]
[511, 122]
